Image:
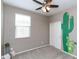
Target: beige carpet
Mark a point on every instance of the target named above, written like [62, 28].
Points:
[48, 52]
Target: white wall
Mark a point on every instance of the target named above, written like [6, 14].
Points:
[56, 21]
[39, 30]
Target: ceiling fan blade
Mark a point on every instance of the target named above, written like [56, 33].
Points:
[54, 6]
[38, 8]
[38, 2]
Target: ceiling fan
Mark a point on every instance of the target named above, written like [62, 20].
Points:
[46, 5]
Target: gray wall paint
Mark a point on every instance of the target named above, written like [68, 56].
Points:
[39, 29]
[59, 18]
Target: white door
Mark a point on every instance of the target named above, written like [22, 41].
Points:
[55, 34]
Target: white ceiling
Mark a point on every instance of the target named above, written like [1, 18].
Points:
[30, 5]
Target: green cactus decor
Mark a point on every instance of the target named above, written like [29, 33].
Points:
[67, 27]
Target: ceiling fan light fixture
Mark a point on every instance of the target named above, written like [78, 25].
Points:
[48, 8]
[44, 9]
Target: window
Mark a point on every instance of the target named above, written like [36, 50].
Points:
[22, 26]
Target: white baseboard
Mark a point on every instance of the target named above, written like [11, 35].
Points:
[31, 49]
[42, 47]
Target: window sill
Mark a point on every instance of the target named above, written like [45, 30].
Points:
[23, 38]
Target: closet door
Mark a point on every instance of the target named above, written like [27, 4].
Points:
[56, 34]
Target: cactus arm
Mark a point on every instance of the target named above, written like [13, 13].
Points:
[71, 26]
[65, 18]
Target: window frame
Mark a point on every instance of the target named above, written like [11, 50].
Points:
[23, 26]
